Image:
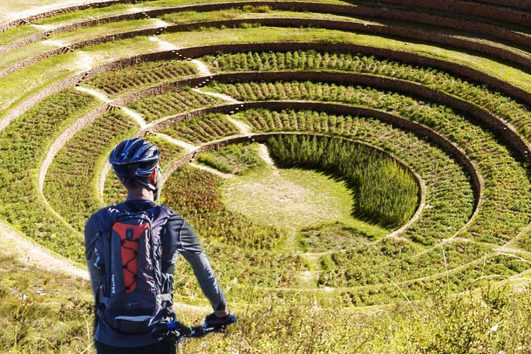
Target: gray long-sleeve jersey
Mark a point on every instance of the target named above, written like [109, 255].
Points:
[177, 238]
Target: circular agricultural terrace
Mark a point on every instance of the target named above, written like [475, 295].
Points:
[333, 154]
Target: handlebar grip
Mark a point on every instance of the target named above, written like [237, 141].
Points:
[205, 328]
[171, 326]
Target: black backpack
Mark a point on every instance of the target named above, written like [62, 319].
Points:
[130, 298]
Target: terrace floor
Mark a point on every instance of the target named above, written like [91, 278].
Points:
[16, 9]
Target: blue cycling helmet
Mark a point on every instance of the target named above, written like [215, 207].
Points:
[134, 160]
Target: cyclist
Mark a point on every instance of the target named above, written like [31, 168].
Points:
[136, 163]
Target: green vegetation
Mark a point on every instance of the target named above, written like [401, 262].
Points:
[386, 194]
[173, 102]
[292, 199]
[235, 244]
[275, 34]
[398, 261]
[306, 251]
[41, 311]
[24, 144]
[23, 83]
[16, 33]
[202, 129]
[91, 13]
[102, 30]
[251, 13]
[494, 320]
[141, 75]
[449, 192]
[504, 107]
[195, 195]
[235, 158]
[72, 180]
[56, 316]
[504, 211]
[331, 237]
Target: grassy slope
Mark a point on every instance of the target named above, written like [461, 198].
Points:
[50, 313]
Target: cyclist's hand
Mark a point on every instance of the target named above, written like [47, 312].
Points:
[214, 320]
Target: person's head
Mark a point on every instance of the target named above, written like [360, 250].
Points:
[136, 163]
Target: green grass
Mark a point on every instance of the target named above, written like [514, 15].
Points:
[293, 199]
[375, 264]
[443, 325]
[300, 279]
[60, 321]
[21, 84]
[332, 237]
[18, 85]
[249, 12]
[102, 30]
[172, 102]
[41, 311]
[385, 192]
[195, 194]
[235, 158]
[144, 74]
[91, 13]
[16, 33]
[449, 193]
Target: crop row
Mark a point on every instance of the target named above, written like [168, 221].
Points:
[503, 214]
[234, 158]
[480, 273]
[141, 75]
[374, 264]
[472, 276]
[386, 194]
[23, 145]
[172, 102]
[70, 183]
[390, 246]
[202, 129]
[504, 107]
[450, 197]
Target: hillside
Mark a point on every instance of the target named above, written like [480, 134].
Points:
[358, 172]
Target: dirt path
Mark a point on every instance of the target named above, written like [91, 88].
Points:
[212, 170]
[29, 252]
[217, 95]
[264, 154]
[242, 127]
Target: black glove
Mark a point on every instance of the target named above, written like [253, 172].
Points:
[214, 321]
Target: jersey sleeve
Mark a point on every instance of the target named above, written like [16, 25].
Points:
[184, 241]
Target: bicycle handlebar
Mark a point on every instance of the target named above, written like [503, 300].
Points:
[180, 331]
